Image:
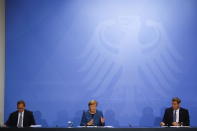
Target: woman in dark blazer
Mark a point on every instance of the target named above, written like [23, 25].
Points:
[92, 117]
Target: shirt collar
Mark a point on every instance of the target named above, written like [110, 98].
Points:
[21, 112]
[177, 109]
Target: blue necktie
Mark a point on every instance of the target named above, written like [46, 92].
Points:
[174, 116]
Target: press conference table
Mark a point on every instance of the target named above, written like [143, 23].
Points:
[100, 129]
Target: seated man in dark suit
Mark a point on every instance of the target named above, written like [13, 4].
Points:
[21, 117]
[175, 115]
[92, 117]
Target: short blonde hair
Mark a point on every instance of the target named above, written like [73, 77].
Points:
[92, 102]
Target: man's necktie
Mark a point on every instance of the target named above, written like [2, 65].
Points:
[20, 120]
[174, 116]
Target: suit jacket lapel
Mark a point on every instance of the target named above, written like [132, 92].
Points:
[24, 118]
[180, 114]
[171, 114]
[16, 120]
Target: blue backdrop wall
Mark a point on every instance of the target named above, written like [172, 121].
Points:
[132, 56]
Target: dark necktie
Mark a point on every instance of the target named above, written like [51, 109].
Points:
[20, 120]
[174, 116]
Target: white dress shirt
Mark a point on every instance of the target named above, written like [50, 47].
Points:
[22, 113]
